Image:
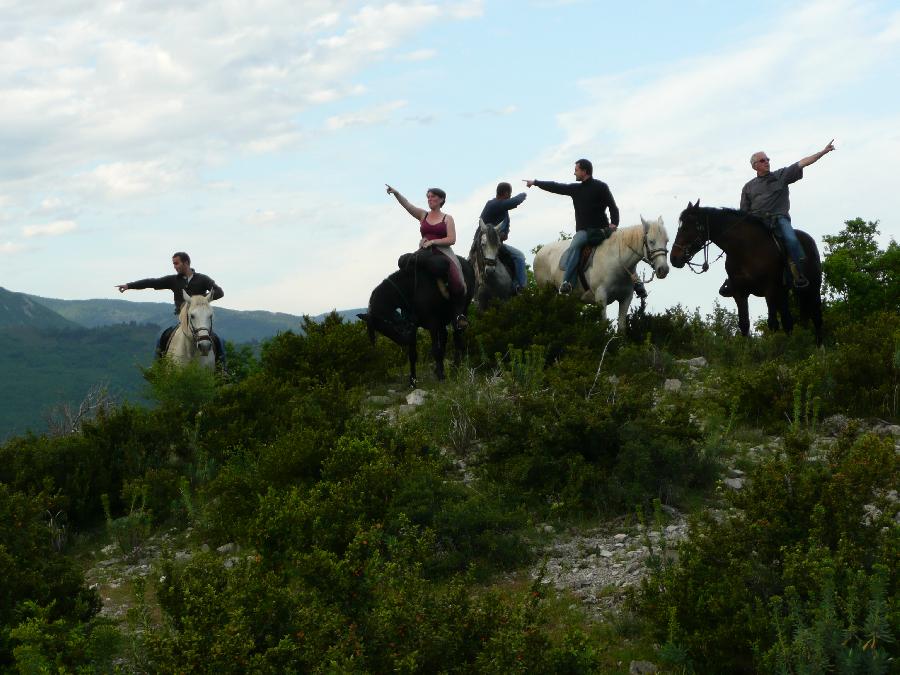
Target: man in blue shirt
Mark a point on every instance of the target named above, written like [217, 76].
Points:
[496, 212]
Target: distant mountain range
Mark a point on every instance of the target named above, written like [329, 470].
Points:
[53, 351]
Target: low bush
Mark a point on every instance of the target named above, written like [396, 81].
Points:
[35, 578]
[802, 552]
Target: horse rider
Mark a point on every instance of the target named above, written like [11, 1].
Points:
[185, 279]
[591, 199]
[767, 196]
[438, 234]
[496, 212]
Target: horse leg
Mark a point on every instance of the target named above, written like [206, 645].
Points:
[743, 314]
[772, 306]
[624, 305]
[412, 350]
[600, 300]
[459, 346]
[784, 308]
[815, 313]
[438, 347]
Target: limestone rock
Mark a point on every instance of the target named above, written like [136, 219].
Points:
[416, 397]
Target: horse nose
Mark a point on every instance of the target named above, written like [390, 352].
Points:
[663, 271]
[676, 260]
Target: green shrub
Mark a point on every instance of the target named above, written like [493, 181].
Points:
[328, 349]
[34, 574]
[537, 316]
[799, 531]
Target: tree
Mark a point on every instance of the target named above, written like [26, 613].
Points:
[859, 276]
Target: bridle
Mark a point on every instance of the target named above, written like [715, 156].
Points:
[201, 334]
[701, 233]
[647, 255]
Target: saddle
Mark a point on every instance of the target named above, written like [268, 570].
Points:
[430, 262]
[596, 237]
[584, 261]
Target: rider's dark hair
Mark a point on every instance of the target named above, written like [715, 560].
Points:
[181, 255]
[586, 166]
[439, 193]
[504, 189]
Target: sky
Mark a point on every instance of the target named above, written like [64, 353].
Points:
[258, 135]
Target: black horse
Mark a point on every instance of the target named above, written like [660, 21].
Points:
[754, 262]
[410, 298]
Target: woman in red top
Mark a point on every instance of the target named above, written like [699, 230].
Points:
[438, 234]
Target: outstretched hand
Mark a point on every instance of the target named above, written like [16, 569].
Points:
[528, 183]
[122, 287]
[390, 190]
[829, 147]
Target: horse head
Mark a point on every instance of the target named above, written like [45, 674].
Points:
[692, 235]
[197, 314]
[490, 243]
[655, 241]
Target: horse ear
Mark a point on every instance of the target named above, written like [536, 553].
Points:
[482, 226]
[209, 296]
[185, 295]
[645, 224]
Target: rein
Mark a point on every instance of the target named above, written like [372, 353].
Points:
[706, 242]
[648, 258]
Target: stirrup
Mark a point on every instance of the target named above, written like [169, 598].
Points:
[640, 290]
[801, 282]
[461, 322]
[565, 287]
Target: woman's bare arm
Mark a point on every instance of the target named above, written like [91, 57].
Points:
[414, 211]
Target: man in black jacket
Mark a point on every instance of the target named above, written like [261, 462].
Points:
[186, 280]
[591, 199]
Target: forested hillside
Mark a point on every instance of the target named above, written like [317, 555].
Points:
[724, 504]
[54, 353]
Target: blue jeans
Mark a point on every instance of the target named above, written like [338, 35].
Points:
[795, 250]
[518, 257]
[573, 253]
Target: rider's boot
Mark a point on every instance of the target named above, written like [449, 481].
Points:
[565, 288]
[800, 281]
[640, 290]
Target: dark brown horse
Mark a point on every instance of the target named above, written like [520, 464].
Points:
[754, 263]
[410, 298]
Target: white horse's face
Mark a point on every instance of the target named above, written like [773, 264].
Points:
[199, 318]
[490, 242]
[656, 247]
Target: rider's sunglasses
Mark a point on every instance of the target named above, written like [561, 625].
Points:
[763, 159]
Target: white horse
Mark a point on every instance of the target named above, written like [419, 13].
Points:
[192, 340]
[611, 272]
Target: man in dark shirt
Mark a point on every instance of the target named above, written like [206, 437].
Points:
[591, 198]
[186, 280]
[768, 196]
[496, 212]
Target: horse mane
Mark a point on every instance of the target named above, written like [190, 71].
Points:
[630, 235]
[726, 215]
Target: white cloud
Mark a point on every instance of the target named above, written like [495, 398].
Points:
[376, 115]
[9, 247]
[53, 229]
[120, 180]
[418, 55]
